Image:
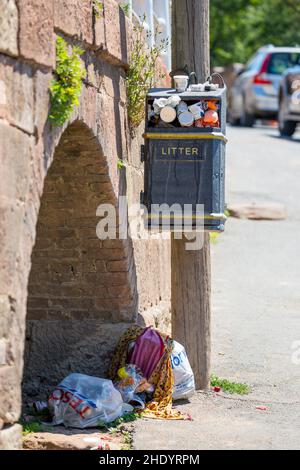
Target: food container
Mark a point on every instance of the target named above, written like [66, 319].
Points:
[186, 119]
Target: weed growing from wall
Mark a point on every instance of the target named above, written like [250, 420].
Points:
[98, 8]
[126, 8]
[66, 87]
[142, 73]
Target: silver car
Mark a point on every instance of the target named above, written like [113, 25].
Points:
[255, 91]
[289, 102]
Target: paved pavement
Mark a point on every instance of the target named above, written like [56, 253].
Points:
[256, 311]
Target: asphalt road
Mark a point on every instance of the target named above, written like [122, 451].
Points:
[255, 310]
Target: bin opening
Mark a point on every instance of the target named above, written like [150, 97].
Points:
[179, 111]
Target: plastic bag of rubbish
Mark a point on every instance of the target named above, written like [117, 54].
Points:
[147, 351]
[131, 384]
[81, 401]
[184, 381]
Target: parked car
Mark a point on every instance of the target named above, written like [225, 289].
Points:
[255, 91]
[289, 101]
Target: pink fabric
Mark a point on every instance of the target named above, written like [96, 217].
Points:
[147, 351]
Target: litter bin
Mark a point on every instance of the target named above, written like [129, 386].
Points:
[185, 165]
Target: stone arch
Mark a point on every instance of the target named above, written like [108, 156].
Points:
[82, 291]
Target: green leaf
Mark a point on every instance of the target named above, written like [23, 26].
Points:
[66, 88]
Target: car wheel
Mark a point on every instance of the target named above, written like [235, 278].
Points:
[234, 121]
[286, 128]
[247, 119]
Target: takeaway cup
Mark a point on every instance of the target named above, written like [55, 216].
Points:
[186, 119]
[181, 83]
[168, 114]
[181, 108]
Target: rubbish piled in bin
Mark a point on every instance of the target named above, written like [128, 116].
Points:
[183, 108]
[174, 112]
[148, 369]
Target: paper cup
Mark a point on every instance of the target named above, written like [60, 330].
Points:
[181, 83]
[186, 119]
[168, 114]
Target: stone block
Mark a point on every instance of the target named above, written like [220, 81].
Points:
[57, 348]
[14, 163]
[3, 351]
[17, 93]
[70, 439]
[36, 35]
[42, 82]
[11, 221]
[10, 404]
[75, 18]
[100, 30]
[115, 32]
[266, 211]
[9, 25]
[11, 438]
[5, 312]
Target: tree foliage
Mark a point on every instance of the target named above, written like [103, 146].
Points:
[240, 27]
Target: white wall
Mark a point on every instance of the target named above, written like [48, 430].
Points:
[158, 15]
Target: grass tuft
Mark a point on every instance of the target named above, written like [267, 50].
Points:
[29, 428]
[127, 418]
[230, 387]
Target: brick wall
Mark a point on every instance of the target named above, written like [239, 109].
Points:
[77, 293]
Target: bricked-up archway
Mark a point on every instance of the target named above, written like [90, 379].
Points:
[82, 291]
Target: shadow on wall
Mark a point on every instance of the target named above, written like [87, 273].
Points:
[82, 291]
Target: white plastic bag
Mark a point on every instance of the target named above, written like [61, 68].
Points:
[81, 401]
[184, 381]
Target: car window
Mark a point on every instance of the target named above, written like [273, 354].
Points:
[280, 61]
[256, 62]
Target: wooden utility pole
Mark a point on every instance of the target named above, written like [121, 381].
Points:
[191, 274]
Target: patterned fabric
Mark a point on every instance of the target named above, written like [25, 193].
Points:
[162, 377]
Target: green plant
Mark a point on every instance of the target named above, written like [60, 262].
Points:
[214, 237]
[121, 164]
[98, 8]
[128, 440]
[142, 72]
[66, 87]
[29, 428]
[118, 427]
[126, 8]
[127, 418]
[230, 387]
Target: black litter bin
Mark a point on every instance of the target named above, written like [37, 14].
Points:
[185, 166]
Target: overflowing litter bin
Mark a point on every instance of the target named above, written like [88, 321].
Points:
[184, 156]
